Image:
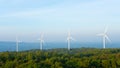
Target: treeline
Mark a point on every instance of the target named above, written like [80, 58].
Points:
[62, 58]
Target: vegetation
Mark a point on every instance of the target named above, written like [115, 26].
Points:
[62, 58]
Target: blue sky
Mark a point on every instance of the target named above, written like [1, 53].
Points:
[85, 19]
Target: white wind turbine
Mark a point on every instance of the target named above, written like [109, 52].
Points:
[69, 38]
[17, 44]
[41, 41]
[105, 37]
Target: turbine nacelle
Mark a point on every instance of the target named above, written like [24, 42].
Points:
[70, 38]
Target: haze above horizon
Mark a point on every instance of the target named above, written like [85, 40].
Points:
[85, 19]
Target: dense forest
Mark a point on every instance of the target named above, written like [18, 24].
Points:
[62, 58]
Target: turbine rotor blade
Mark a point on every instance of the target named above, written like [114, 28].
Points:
[69, 36]
[100, 34]
[106, 29]
[41, 35]
[107, 38]
[69, 33]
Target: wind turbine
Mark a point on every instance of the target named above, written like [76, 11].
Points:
[69, 38]
[17, 44]
[41, 41]
[105, 36]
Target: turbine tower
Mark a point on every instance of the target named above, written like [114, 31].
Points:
[69, 38]
[105, 37]
[41, 41]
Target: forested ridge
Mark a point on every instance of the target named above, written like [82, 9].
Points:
[62, 58]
